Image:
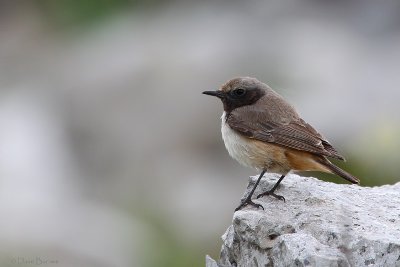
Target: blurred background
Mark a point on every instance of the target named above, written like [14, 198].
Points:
[111, 156]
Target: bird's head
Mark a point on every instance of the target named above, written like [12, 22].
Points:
[239, 92]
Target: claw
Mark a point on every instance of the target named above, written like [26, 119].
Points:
[269, 193]
[249, 202]
[279, 197]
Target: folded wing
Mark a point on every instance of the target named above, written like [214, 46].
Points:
[296, 134]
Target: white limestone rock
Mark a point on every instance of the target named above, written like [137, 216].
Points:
[320, 224]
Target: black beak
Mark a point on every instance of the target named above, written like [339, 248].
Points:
[218, 94]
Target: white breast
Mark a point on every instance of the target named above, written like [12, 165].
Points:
[240, 148]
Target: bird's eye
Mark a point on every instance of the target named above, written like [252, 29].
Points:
[239, 92]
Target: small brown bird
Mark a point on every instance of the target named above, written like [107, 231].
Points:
[261, 130]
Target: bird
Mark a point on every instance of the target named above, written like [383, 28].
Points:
[261, 130]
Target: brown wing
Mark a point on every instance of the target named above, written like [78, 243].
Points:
[295, 134]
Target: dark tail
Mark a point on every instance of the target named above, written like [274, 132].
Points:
[336, 170]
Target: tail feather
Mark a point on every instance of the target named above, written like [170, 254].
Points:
[336, 170]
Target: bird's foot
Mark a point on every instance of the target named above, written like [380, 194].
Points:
[248, 201]
[271, 193]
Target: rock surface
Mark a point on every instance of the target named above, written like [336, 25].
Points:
[320, 224]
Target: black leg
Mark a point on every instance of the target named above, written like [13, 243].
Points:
[248, 201]
[272, 190]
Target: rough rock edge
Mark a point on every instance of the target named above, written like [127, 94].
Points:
[321, 224]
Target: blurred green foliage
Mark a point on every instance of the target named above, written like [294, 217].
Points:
[165, 248]
[79, 13]
[73, 15]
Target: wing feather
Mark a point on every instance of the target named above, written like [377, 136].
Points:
[296, 134]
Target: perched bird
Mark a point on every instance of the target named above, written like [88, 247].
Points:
[263, 131]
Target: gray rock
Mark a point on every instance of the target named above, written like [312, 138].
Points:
[210, 262]
[320, 224]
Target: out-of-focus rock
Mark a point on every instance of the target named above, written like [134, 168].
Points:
[320, 224]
